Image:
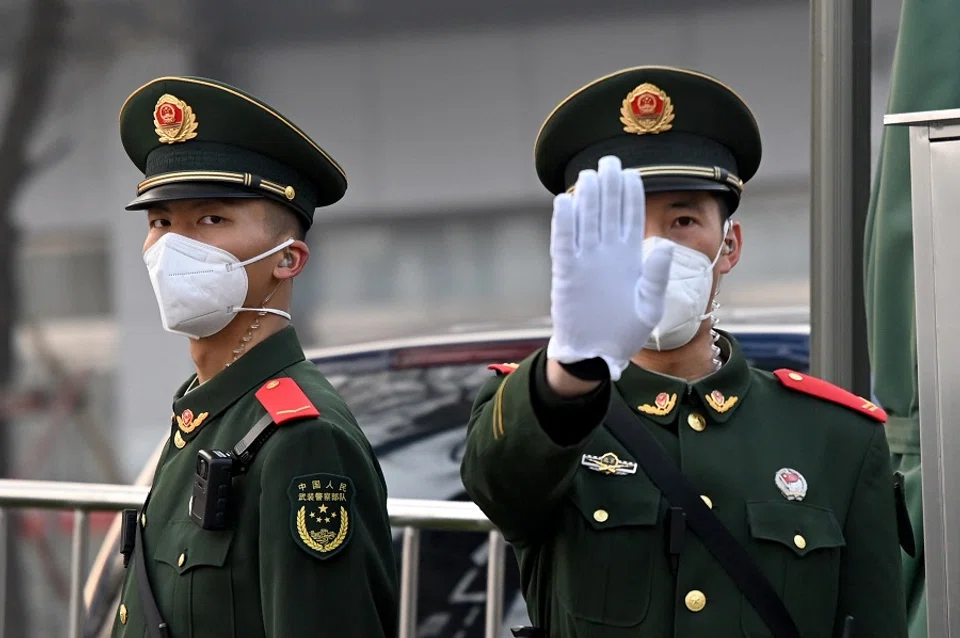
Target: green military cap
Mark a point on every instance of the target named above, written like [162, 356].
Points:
[199, 138]
[683, 130]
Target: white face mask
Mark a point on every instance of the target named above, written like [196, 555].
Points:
[688, 292]
[199, 287]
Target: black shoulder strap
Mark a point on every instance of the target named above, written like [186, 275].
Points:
[732, 556]
[156, 627]
[246, 449]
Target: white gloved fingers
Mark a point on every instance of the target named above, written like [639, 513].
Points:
[586, 203]
[652, 285]
[634, 219]
[563, 230]
[611, 199]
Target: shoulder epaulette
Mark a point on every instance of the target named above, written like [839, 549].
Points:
[503, 368]
[829, 392]
[285, 401]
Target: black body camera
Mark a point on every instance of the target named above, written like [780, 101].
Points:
[211, 489]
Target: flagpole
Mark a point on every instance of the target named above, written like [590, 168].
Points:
[839, 189]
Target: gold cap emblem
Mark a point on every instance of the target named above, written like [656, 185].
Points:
[174, 120]
[646, 109]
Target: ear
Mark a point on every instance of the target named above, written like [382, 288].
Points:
[292, 261]
[732, 245]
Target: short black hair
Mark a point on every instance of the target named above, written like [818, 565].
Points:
[281, 221]
[724, 205]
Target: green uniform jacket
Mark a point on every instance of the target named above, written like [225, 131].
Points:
[307, 551]
[592, 545]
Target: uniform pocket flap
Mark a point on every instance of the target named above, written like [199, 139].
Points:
[801, 527]
[185, 546]
[617, 506]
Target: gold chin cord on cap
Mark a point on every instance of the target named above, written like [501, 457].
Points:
[716, 174]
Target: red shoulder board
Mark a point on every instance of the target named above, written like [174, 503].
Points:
[285, 401]
[829, 392]
[503, 368]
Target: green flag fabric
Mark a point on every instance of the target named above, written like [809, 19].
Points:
[924, 77]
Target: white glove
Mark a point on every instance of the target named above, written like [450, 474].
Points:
[606, 298]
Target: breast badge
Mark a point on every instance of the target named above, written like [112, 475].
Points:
[791, 483]
[321, 506]
[608, 463]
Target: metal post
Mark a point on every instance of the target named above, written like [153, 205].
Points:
[409, 581]
[840, 190]
[3, 571]
[934, 190]
[495, 566]
[78, 563]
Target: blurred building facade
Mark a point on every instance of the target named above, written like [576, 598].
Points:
[432, 109]
[433, 115]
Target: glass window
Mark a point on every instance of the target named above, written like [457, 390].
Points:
[378, 278]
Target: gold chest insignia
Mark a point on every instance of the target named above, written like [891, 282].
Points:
[646, 109]
[174, 120]
[720, 403]
[608, 463]
[320, 510]
[662, 405]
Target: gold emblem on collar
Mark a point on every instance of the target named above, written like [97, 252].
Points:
[188, 423]
[720, 403]
[646, 109]
[662, 405]
[608, 463]
[178, 440]
[174, 120]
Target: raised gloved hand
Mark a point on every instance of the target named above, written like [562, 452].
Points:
[607, 296]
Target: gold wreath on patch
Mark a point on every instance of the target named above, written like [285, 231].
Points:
[174, 120]
[646, 109]
[323, 539]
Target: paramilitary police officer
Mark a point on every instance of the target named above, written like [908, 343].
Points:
[267, 516]
[651, 482]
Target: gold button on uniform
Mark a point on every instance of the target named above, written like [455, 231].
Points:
[795, 376]
[143, 521]
[697, 422]
[695, 600]
[799, 541]
[706, 499]
[600, 516]
[123, 614]
[182, 559]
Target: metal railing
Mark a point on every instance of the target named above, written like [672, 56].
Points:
[409, 514]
